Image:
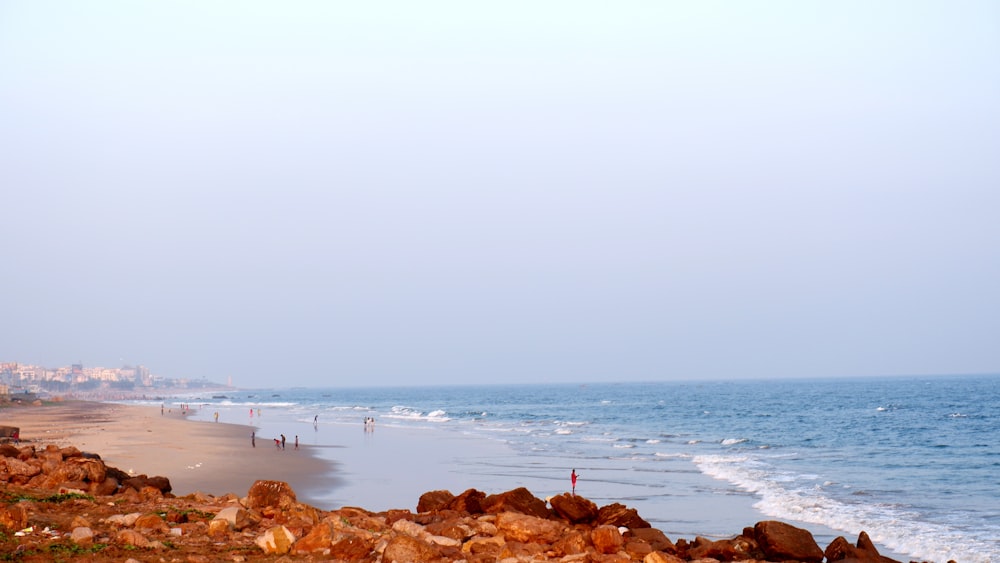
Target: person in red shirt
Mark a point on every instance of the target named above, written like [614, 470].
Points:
[572, 478]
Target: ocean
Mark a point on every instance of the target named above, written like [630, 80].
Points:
[914, 461]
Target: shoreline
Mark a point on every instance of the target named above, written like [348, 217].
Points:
[196, 456]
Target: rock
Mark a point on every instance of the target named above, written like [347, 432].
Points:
[270, 494]
[574, 508]
[82, 535]
[637, 550]
[351, 548]
[573, 543]
[107, 487]
[7, 450]
[607, 539]
[132, 538]
[655, 538]
[275, 541]
[219, 528]
[736, 549]
[469, 501]
[661, 557]
[151, 523]
[525, 528]
[518, 500]
[782, 542]
[237, 517]
[407, 549]
[318, 540]
[485, 546]
[434, 500]
[14, 517]
[865, 552]
[620, 515]
[140, 482]
[18, 471]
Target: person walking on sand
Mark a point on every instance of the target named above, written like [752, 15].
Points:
[253, 438]
[282, 441]
[572, 479]
[296, 441]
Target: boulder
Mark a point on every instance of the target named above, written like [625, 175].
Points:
[607, 539]
[351, 548]
[140, 482]
[526, 528]
[148, 523]
[661, 557]
[737, 549]
[270, 494]
[655, 538]
[518, 500]
[865, 552]
[620, 515]
[434, 500]
[82, 535]
[573, 543]
[237, 517]
[407, 549]
[783, 542]
[131, 538]
[574, 508]
[470, 501]
[275, 541]
[7, 450]
[318, 540]
[14, 517]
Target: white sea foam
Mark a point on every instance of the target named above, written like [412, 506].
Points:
[652, 441]
[900, 530]
[733, 441]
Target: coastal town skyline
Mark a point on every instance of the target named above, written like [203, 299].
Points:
[443, 193]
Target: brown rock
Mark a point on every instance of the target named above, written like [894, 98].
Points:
[454, 528]
[525, 528]
[318, 540]
[351, 548]
[140, 482]
[270, 494]
[14, 517]
[151, 523]
[470, 501]
[865, 551]
[7, 450]
[107, 487]
[237, 517]
[620, 515]
[484, 546]
[607, 539]
[735, 549]
[132, 538]
[434, 500]
[782, 542]
[219, 528]
[518, 500]
[637, 549]
[574, 508]
[661, 557]
[572, 543]
[18, 471]
[407, 549]
[655, 538]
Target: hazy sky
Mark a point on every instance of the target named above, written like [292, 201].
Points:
[345, 193]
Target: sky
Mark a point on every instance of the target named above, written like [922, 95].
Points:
[320, 193]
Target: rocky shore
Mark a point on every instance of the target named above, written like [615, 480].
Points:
[61, 504]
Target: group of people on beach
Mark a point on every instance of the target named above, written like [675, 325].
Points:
[369, 423]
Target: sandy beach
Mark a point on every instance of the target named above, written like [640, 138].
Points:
[210, 457]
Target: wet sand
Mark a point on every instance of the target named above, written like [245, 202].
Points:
[214, 458]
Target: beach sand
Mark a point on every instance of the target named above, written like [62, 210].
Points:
[214, 458]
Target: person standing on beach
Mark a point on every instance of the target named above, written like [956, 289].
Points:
[253, 438]
[296, 441]
[572, 479]
[282, 441]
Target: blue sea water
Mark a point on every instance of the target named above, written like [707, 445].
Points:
[914, 461]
